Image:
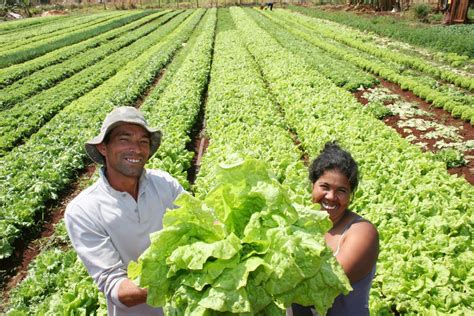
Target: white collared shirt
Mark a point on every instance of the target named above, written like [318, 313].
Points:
[109, 228]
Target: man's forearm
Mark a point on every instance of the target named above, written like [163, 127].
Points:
[130, 294]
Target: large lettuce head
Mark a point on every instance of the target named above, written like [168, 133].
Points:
[243, 249]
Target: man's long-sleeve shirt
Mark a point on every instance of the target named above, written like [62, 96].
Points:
[109, 228]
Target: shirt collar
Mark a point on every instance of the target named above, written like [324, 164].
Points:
[104, 183]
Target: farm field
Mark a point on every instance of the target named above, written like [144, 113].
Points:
[272, 85]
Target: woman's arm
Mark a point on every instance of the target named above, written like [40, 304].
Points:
[359, 250]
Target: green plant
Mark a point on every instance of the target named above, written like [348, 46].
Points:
[436, 17]
[378, 110]
[244, 248]
[451, 157]
[438, 38]
[421, 11]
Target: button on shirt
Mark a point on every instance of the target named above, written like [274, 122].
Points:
[109, 228]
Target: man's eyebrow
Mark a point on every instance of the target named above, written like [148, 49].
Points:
[121, 133]
[128, 133]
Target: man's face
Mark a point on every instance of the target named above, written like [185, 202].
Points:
[126, 151]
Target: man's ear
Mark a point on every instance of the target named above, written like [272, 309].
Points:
[101, 148]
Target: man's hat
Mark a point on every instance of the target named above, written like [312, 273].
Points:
[120, 115]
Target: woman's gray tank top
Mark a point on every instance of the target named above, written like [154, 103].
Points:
[357, 301]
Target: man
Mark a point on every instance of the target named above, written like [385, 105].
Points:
[109, 223]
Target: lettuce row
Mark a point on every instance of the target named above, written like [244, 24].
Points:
[26, 36]
[422, 213]
[48, 77]
[439, 99]
[35, 49]
[28, 116]
[36, 22]
[54, 153]
[57, 284]
[176, 102]
[15, 72]
[342, 73]
[244, 249]
[450, 41]
[348, 38]
[239, 106]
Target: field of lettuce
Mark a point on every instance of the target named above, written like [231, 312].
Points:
[271, 85]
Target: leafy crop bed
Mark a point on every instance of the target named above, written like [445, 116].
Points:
[267, 85]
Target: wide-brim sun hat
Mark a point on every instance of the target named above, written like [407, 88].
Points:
[121, 115]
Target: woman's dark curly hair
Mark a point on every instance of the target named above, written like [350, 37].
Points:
[333, 157]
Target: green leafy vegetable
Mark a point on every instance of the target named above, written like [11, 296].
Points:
[244, 249]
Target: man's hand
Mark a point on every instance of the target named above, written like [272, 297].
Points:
[130, 294]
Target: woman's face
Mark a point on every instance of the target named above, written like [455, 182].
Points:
[332, 191]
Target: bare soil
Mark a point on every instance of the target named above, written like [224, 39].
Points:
[439, 116]
[54, 12]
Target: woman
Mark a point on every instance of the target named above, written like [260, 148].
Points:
[353, 239]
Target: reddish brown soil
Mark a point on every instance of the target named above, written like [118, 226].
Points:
[147, 92]
[200, 146]
[439, 116]
[305, 156]
[17, 264]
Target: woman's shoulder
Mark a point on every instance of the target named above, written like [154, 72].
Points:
[362, 230]
[359, 250]
[360, 223]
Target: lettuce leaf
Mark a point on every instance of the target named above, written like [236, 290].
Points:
[245, 249]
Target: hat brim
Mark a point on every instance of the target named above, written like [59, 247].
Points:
[96, 156]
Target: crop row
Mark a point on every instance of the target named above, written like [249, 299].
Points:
[47, 77]
[439, 99]
[342, 73]
[15, 72]
[241, 116]
[404, 192]
[176, 104]
[58, 282]
[36, 26]
[27, 24]
[27, 117]
[33, 50]
[440, 38]
[54, 153]
[350, 38]
[23, 38]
